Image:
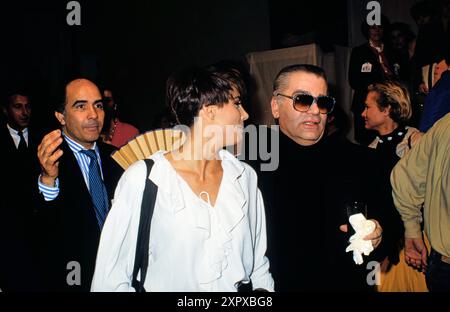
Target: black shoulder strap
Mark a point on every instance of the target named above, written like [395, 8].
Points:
[143, 238]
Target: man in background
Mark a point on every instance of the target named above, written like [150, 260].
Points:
[18, 194]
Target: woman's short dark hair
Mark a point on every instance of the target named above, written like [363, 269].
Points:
[232, 72]
[187, 91]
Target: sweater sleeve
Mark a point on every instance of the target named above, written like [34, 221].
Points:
[408, 179]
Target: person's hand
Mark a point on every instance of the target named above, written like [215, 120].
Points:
[423, 88]
[344, 228]
[416, 253]
[49, 154]
[376, 235]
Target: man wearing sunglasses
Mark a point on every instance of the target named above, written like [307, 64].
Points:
[306, 195]
[312, 125]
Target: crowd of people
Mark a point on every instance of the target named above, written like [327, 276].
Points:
[401, 89]
[72, 220]
[394, 53]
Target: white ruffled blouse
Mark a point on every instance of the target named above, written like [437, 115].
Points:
[193, 246]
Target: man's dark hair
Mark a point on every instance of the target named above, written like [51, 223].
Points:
[10, 93]
[61, 99]
[280, 81]
[187, 91]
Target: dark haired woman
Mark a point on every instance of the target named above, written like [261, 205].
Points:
[208, 228]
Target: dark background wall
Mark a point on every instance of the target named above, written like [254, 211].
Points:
[294, 22]
[133, 46]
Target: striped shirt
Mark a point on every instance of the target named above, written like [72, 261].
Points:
[50, 193]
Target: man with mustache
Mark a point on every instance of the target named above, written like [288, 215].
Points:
[77, 182]
[306, 195]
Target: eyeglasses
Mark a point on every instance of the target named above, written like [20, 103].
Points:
[303, 101]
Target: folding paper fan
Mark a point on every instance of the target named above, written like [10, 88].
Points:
[147, 144]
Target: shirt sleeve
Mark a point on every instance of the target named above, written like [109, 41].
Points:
[261, 277]
[116, 252]
[408, 179]
[50, 193]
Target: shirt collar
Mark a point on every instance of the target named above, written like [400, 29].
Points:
[232, 167]
[12, 130]
[379, 49]
[77, 147]
[231, 164]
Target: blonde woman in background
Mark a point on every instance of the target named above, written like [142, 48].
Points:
[387, 111]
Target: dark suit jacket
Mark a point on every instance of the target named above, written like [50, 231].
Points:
[10, 152]
[69, 225]
[359, 81]
[17, 203]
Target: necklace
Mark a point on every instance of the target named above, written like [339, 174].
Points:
[395, 136]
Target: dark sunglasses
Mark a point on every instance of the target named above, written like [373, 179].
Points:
[303, 101]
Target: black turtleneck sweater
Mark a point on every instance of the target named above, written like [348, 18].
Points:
[304, 201]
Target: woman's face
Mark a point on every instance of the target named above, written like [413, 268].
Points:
[374, 117]
[230, 119]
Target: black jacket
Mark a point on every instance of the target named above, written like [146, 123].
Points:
[68, 225]
[17, 203]
[359, 80]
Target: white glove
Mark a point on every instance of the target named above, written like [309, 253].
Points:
[358, 245]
